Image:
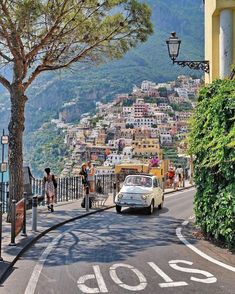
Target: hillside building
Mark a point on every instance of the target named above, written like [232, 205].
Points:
[147, 148]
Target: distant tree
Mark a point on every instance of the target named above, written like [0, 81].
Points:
[129, 126]
[128, 102]
[175, 106]
[46, 35]
[161, 100]
[110, 136]
[186, 106]
[163, 91]
[171, 114]
[148, 99]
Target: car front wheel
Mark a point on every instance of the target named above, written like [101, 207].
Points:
[118, 208]
[161, 204]
[150, 208]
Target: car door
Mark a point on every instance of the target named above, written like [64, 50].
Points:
[157, 191]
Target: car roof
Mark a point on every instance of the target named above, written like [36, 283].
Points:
[141, 175]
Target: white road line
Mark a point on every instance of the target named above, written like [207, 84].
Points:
[160, 272]
[142, 280]
[172, 284]
[100, 279]
[209, 277]
[202, 254]
[32, 284]
[168, 281]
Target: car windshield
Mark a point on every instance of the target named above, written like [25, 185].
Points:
[138, 181]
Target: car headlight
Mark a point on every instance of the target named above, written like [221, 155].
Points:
[145, 196]
[120, 196]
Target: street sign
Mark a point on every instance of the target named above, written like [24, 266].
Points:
[3, 167]
[27, 180]
[4, 140]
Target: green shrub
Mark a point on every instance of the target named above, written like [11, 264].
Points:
[212, 141]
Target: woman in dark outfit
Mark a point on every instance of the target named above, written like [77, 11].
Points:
[85, 183]
[84, 175]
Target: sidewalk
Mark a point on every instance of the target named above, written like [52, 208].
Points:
[64, 211]
[187, 185]
[46, 221]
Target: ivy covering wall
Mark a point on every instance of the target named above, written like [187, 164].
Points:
[212, 142]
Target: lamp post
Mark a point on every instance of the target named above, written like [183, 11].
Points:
[173, 45]
[3, 168]
[3, 165]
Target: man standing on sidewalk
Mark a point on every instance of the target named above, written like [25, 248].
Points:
[91, 176]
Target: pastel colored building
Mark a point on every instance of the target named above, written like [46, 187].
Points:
[147, 148]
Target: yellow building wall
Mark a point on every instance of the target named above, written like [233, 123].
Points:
[131, 167]
[100, 140]
[212, 29]
[147, 147]
[160, 171]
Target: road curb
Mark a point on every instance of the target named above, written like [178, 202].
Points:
[199, 251]
[179, 190]
[40, 235]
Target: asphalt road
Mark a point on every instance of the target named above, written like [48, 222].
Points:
[122, 253]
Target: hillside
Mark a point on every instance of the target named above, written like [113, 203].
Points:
[86, 85]
[82, 85]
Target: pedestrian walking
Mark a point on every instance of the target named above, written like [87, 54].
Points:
[91, 176]
[84, 174]
[171, 175]
[176, 182]
[180, 174]
[50, 186]
[85, 182]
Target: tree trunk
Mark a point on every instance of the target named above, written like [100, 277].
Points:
[16, 129]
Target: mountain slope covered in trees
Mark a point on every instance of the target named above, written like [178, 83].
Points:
[52, 92]
[149, 61]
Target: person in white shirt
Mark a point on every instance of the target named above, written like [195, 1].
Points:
[180, 174]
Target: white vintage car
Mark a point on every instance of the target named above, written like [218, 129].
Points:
[140, 191]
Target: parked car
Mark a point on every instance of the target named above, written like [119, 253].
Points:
[140, 191]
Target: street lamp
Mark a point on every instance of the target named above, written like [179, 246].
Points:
[3, 168]
[173, 45]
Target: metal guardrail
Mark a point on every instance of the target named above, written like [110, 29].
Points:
[105, 182]
[67, 188]
[71, 188]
